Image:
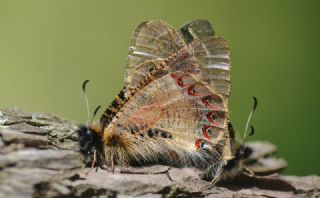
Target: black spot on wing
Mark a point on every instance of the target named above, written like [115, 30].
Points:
[121, 95]
[159, 133]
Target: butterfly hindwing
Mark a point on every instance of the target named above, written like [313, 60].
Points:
[176, 118]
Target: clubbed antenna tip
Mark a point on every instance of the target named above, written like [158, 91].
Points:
[94, 115]
[96, 110]
[252, 131]
[84, 84]
[255, 103]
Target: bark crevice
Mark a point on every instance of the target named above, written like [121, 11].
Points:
[36, 162]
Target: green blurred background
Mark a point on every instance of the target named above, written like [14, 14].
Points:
[48, 48]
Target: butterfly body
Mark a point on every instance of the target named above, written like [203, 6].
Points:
[173, 108]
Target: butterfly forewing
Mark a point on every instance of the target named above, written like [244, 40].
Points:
[196, 29]
[211, 52]
[214, 58]
[151, 40]
[156, 41]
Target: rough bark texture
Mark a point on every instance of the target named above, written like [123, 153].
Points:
[36, 162]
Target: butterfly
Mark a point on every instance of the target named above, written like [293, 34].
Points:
[173, 108]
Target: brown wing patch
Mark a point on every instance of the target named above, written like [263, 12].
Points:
[181, 109]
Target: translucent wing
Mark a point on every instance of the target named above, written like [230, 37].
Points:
[196, 29]
[157, 42]
[212, 53]
[151, 41]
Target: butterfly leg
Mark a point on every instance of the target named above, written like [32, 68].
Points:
[112, 165]
[94, 158]
[216, 171]
[212, 173]
[93, 161]
[248, 172]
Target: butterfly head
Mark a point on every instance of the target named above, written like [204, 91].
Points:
[89, 137]
[243, 152]
[89, 140]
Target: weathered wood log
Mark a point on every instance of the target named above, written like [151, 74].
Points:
[36, 161]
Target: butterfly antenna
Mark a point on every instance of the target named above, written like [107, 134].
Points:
[94, 114]
[84, 84]
[254, 107]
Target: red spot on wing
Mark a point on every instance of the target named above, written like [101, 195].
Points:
[192, 92]
[180, 82]
[205, 133]
[174, 75]
[198, 143]
[205, 100]
[211, 120]
[178, 79]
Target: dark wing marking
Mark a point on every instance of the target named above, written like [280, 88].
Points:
[196, 29]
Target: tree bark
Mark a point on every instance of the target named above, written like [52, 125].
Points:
[36, 161]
